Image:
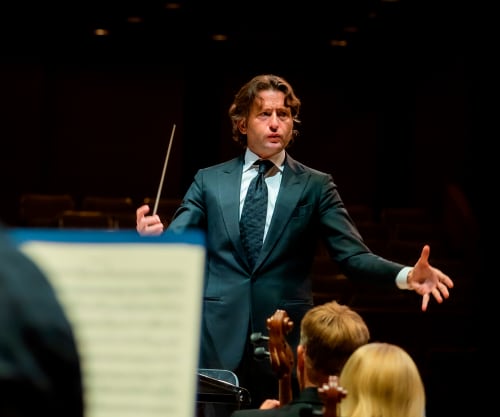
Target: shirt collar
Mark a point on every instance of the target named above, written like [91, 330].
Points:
[250, 158]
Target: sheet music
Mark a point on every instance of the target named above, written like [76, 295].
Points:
[136, 311]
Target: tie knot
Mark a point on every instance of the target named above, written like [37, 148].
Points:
[264, 165]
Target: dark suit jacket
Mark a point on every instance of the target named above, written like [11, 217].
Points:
[39, 363]
[308, 208]
[307, 404]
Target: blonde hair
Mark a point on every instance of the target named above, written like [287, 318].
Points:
[382, 380]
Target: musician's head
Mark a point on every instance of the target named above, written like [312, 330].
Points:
[329, 334]
[382, 380]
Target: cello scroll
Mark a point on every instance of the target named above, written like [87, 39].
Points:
[280, 353]
[331, 393]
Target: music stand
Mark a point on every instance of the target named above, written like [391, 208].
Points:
[220, 386]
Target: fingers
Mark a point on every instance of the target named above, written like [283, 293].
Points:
[424, 255]
[440, 292]
[141, 211]
[151, 230]
[443, 288]
[446, 281]
[269, 403]
[148, 225]
[425, 301]
[437, 295]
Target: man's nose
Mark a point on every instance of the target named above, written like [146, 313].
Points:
[273, 120]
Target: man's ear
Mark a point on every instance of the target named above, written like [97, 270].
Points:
[242, 126]
[300, 366]
[300, 356]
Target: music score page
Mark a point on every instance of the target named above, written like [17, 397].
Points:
[135, 307]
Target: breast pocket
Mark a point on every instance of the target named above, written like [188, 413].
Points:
[302, 211]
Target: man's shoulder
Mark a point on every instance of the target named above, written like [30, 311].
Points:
[298, 167]
[224, 166]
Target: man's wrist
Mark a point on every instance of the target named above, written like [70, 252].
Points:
[402, 279]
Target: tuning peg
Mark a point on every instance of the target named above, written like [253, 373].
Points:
[261, 353]
[258, 337]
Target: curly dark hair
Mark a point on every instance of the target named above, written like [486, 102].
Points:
[240, 108]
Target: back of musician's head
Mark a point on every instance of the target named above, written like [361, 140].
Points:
[382, 379]
[330, 332]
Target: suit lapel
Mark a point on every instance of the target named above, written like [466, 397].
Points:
[292, 185]
[229, 184]
[294, 180]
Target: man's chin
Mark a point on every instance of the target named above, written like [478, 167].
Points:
[275, 146]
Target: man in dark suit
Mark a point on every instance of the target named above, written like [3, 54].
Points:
[304, 206]
[40, 371]
[329, 334]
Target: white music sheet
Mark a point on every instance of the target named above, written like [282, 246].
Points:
[135, 307]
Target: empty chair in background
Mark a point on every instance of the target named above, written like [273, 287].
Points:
[43, 210]
[374, 232]
[166, 207]
[361, 213]
[460, 222]
[85, 219]
[121, 209]
[391, 217]
[422, 232]
[408, 229]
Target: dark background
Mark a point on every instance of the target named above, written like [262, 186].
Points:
[392, 115]
[389, 115]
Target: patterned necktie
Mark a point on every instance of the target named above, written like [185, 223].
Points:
[253, 217]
